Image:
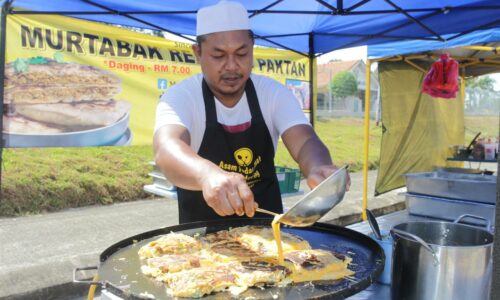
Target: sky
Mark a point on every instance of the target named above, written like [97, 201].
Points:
[344, 54]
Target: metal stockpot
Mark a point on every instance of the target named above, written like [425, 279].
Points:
[441, 260]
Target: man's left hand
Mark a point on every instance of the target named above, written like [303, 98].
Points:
[318, 174]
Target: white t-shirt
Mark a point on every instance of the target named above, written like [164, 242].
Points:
[183, 104]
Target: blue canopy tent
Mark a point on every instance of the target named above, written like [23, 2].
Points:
[309, 27]
[411, 47]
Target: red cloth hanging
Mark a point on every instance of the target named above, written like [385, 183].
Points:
[442, 79]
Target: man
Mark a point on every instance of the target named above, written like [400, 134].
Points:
[216, 132]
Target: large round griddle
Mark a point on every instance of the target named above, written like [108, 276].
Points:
[119, 268]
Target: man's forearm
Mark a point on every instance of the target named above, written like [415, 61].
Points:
[310, 153]
[180, 164]
[313, 153]
[227, 193]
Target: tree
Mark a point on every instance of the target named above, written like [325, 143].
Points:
[344, 84]
[480, 94]
[484, 82]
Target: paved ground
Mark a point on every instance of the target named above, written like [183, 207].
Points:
[38, 253]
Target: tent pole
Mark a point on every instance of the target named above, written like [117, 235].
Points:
[495, 287]
[259, 11]
[481, 48]
[462, 98]
[3, 30]
[367, 137]
[360, 41]
[462, 87]
[408, 61]
[126, 15]
[312, 102]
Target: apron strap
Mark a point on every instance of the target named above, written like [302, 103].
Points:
[253, 101]
[208, 98]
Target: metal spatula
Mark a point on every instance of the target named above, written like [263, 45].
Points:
[317, 202]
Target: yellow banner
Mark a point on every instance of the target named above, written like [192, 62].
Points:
[70, 82]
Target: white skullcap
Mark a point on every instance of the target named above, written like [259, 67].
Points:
[223, 16]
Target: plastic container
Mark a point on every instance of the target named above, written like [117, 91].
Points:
[386, 244]
[288, 179]
[282, 180]
[489, 151]
[294, 180]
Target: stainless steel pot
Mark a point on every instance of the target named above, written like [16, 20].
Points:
[441, 260]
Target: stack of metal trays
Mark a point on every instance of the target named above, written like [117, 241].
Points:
[463, 170]
[161, 186]
[447, 196]
[448, 209]
[468, 187]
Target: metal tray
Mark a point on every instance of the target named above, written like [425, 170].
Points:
[448, 209]
[469, 187]
[462, 170]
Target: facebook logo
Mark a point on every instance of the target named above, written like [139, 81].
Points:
[162, 84]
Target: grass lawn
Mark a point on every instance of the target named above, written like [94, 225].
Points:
[49, 179]
[344, 138]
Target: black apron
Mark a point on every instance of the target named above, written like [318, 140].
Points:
[250, 153]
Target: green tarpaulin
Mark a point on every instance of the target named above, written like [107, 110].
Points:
[417, 129]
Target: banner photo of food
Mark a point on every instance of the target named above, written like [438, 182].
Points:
[75, 83]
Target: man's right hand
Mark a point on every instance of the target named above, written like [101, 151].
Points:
[228, 193]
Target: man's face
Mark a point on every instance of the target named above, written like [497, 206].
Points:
[226, 61]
